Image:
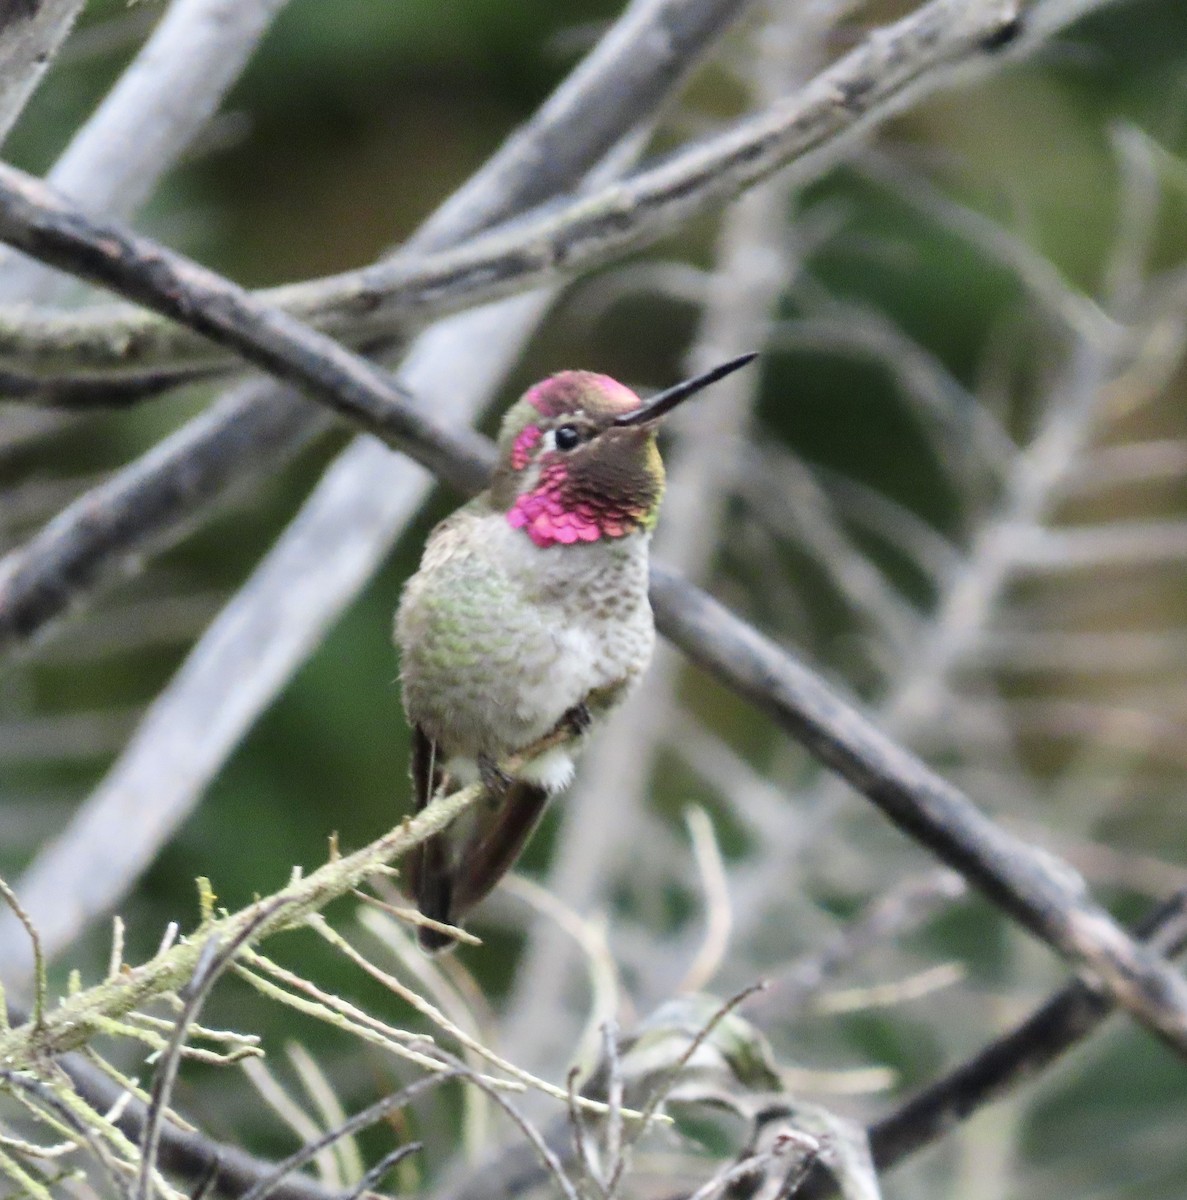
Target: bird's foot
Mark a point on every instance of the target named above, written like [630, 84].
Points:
[495, 780]
[577, 721]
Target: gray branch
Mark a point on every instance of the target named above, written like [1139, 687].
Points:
[147, 121]
[1008, 1061]
[31, 33]
[894, 66]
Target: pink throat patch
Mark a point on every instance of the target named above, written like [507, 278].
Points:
[547, 520]
[525, 443]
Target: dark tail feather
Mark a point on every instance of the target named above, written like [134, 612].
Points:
[493, 851]
[433, 941]
[447, 885]
[445, 893]
[433, 886]
[428, 870]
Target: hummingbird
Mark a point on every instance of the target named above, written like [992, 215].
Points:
[528, 622]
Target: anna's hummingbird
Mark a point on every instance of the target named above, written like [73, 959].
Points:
[529, 616]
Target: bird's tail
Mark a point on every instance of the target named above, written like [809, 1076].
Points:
[432, 885]
[448, 881]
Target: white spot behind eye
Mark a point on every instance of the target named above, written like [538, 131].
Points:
[548, 441]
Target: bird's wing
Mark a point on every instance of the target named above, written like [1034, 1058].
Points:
[429, 875]
[426, 777]
[497, 843]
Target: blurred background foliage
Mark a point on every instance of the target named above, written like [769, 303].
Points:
[354, 120]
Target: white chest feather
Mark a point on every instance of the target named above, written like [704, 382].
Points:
[594, 600]
[501, 638]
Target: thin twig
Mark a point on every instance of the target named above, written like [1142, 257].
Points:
[346, 1156]
[1014, 1058]
[887, 918]
[44, 1094]
[432, 1013]
[549, 1160]
[290, 1112]
[207, 1182]
[671, 1077]
[150, 117]
[116, 961]
[718, 912]
[214, 960]
[581, 1150]
[183, 1151]
[39, 979]
[463, 1008]
[410, 916]
[615, 1091]
[26, 1184]
[762, 1160]
[392, 1159]
[30, 37]
[589, 935]
[361, 1120]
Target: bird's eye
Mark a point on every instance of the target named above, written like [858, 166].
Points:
[567, 436]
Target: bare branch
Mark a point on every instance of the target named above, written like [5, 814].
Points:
[379, 1170]
[718, 914]
[39, 984]
[33, 218]
[228, 1169]
[535, 1138]
[803, 1146]
[784, 491]
[1037, 274]
[213, 962]
[31, 33]
[148, 120]
[48, 1099]
[620, 84]
[1131, 463]
[1041, 893]
[109, 530]
[1017, 1056]
[894, 64]
[267, 1187]
[792, 988]
[1116, 546]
